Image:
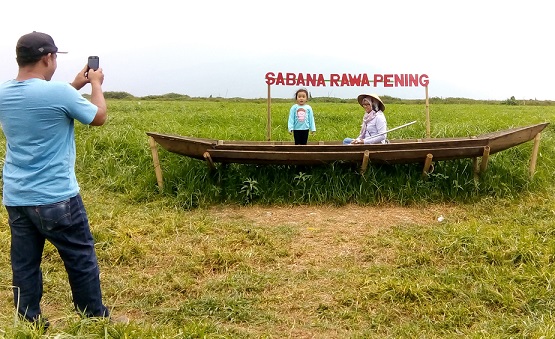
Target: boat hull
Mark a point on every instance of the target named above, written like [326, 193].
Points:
[395, 152]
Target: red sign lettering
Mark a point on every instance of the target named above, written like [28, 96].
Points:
[347, 79]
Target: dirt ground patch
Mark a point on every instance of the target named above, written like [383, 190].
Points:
[326, 233]
[332, 217]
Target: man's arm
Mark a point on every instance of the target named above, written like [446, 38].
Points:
[95, 78]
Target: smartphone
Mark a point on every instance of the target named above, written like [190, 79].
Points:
[94, 62]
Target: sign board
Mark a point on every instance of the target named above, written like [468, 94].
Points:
[345, 79]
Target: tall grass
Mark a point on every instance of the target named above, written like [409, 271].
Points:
[181, 264]
[116, 157]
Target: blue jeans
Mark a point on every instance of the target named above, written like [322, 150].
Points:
[64, 224]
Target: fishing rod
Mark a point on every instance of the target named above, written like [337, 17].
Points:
[393, 129]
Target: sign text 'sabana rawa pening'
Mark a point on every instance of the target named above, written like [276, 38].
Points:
[347, 79]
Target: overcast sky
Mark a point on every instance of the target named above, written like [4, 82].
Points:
[474, 49]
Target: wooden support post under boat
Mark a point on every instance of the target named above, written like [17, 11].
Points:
[427, 165]
[475, 168]
[475, 165]
[209, 160]
[534, 157]
[485, 158]
[156, 161]
[364, 162]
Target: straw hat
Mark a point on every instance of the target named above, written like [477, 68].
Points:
[374, 96]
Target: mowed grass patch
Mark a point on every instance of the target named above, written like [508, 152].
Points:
[347, 271]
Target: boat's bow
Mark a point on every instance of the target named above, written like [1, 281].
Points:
[188, 146]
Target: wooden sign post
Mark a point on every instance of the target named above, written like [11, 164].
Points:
[269, 121]
[427, 115]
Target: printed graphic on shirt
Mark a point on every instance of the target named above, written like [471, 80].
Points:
[301, 114]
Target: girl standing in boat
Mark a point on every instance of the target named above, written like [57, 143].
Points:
[374, 124]
[301, 118]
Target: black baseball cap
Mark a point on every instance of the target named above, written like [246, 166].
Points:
[35, 44]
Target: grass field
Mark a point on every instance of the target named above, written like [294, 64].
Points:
[258, 252]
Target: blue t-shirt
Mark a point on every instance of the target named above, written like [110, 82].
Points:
[37, 118]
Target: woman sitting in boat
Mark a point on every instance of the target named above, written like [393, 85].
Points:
[374, 124]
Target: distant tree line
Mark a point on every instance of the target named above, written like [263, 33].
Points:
[512, 101]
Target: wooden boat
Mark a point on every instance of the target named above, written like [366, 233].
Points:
[395, 152]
